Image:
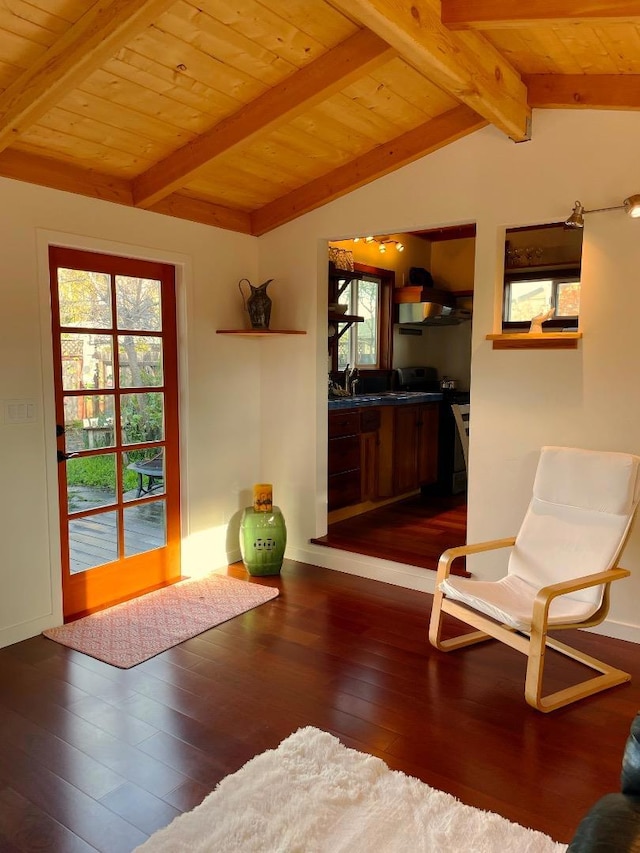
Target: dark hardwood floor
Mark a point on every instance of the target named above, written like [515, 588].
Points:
[414, 531]
[97, 758]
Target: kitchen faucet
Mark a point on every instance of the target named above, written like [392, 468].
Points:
[350, 379]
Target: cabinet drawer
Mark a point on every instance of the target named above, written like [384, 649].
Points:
[344, 423]
[343, 489]
[344, 454]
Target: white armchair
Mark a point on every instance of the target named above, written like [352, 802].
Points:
[560, 568]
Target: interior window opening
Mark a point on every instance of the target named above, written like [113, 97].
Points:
[542, 276]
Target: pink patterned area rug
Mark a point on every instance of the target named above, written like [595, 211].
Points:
[137, 630]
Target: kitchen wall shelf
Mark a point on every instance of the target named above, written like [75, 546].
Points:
[526, 340]
[257, 333]
[342, 322]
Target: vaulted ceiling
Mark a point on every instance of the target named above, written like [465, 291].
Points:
[248, 113]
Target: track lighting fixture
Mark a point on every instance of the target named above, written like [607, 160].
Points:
[576, 217]
[382, 242]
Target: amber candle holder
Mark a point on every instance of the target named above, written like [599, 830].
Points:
[263, 497]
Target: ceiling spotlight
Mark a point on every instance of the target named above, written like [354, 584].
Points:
[381, 242]
[576, 218]
[632, 206]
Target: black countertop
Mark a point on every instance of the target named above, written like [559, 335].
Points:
[385, 398]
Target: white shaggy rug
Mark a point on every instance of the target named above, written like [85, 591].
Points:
[312, 794]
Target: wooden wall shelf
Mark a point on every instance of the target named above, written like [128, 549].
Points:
[342, 322]
[257, 333]
[547, 340]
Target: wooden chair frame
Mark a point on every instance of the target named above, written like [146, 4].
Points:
[534, 643]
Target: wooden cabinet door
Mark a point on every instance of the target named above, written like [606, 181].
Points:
[344, 454]
[405, 447]
[427, 435]
[343, 459]
[370, 423]
[385, 453]
[369, 469]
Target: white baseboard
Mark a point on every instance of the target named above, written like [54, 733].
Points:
[398, 574]
[617, 630]
[26, 630]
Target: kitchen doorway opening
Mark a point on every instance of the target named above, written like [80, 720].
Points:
[396, 470]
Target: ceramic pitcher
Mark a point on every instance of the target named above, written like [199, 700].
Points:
[258, 303]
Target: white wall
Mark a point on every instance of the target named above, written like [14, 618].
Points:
[521, 399]
[219, 385]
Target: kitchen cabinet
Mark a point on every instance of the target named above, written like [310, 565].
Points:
[344, 468]
[428, 440]
[382, 451]
[415, 447]
[370, 420]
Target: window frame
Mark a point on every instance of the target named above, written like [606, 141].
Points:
[352, 334]
[557, 277]
[385, 317]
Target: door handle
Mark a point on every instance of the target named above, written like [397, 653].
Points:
[62, 456]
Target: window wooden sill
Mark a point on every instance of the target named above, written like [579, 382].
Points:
[526, 340]
[254, 333]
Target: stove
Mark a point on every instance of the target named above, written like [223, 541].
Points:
[452, 472]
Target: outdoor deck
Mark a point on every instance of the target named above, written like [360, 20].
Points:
[93, 539]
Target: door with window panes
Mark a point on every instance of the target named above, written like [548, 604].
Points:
[115, 368]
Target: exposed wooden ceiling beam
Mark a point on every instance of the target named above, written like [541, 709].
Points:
[382, 160]
[594, 91]
[330, 73]
[63, 176]
[507, 14]
[196, 210]
[91, 41]
[73, 179]
[465, 65]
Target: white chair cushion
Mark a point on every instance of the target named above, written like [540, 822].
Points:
[510, 601]
[603, 481]
[558, 543]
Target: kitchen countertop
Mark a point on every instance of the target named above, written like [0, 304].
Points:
[385, 398]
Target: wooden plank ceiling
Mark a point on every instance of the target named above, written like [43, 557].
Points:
[248, 113]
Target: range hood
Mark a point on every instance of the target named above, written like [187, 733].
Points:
[428, 306]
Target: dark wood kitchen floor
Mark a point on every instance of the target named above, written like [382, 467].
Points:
[97, 758]
[414, 531]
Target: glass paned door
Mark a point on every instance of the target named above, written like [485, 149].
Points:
[115, 364]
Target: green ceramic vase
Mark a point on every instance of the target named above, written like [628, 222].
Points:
[263, 538]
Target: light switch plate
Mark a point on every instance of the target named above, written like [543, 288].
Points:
[19, 411]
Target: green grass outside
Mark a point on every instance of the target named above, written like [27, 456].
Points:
[98, 472]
